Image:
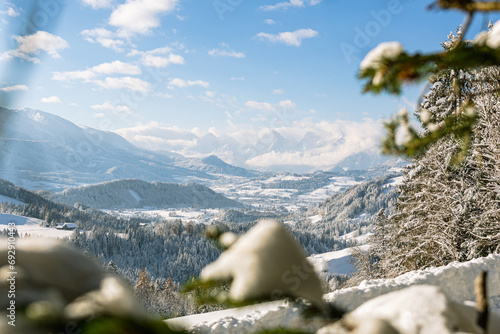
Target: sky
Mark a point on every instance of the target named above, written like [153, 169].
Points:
[208, 65]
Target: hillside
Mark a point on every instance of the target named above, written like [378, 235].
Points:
[44, 151]
[366, 198]
[133, 193]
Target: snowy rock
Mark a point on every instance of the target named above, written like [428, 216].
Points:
[266, 262]
[386, 50]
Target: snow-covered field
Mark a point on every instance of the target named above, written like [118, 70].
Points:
[31, 226]
[254, 191]
[336, 262]
[455, 280]
[184, 214]
[10, 200]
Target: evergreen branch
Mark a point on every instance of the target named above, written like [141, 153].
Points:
[469, 6]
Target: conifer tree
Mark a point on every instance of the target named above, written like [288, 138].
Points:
[446, 211]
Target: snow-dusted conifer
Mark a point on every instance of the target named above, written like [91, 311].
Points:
[446, 212]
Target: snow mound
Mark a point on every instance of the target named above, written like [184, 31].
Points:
[455, 281]
[418, 309]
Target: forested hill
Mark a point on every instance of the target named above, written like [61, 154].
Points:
[36, 206]
[133, 193]
[369, 198]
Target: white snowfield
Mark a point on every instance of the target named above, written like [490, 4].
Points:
[31, 226]
[10, 200]
[337, 262]
[455, 281]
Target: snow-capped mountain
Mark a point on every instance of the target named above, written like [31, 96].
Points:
[41, 150]
[298, 148]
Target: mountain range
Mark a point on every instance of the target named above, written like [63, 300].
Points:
[44, 151]
[299, 147]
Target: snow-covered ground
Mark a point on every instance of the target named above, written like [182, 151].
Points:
[256, 192]
[10, 200]
[456, 280]
[184, 214]
[31, 226]
[336, 262]
[336, 185]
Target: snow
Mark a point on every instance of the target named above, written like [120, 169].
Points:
[314, 219]
[10, 200]
[135, 195]
[386, 50]
[418, 309]
[31, 226]
[493, 39]
[183, 214]
[336, 262]
[266, 261]
[454, 280]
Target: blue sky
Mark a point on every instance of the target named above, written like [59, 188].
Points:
[208, 64]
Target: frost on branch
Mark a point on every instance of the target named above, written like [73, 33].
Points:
[266, 262]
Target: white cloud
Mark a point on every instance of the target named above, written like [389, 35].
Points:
[164, 95]
[291, 3]
[225, 51]
[96, 4]
[14, 88]
[269, 21]
[340, 139]
[210, 94]
[12, 12]
[278, 91]
[140, 16]
[99, 115]
[293, 38]
[31, 45]
[85, 75]
[52, 99]
[116, 109]
[158, 61]
[160, 57]
[115, 67]
[118, 67]
[181, 83]
[287, 104]
[237, 79]
[264, 106]
[105, 38]
[134, 84]
[336, 141]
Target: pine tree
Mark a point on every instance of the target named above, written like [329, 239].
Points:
[447, 212]
[112, 267]
[144, 289]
